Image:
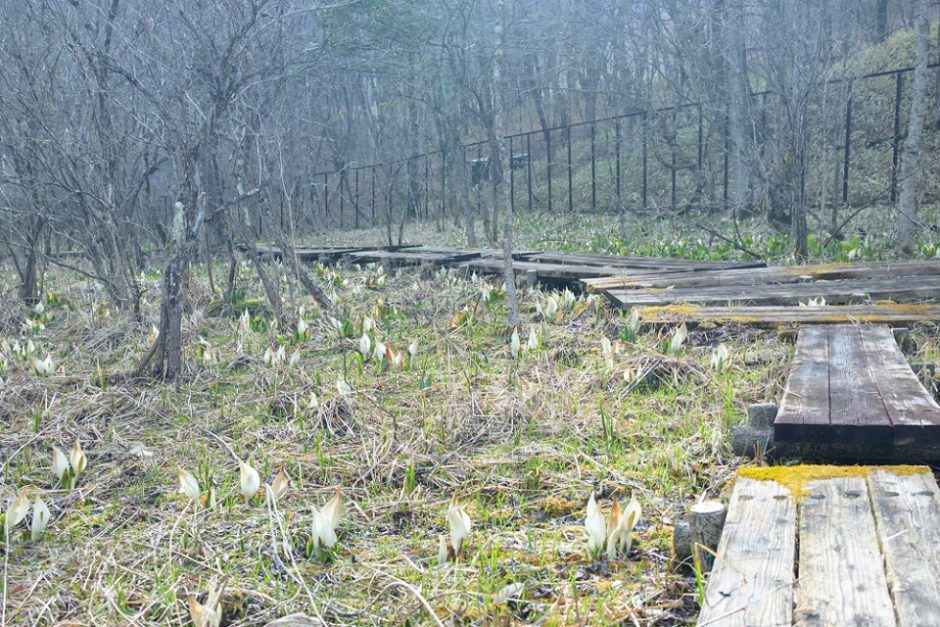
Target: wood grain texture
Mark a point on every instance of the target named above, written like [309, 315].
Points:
[772, 316]
[914, 414]
[771, 275]
[752, 580]
[856, 412]
[907, 511]
[841, 577]
[905, 289]
[654, 263]
[804, 408]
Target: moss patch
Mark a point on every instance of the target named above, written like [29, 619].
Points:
[797, 478]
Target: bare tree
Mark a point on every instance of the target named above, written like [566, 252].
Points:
[910, 162]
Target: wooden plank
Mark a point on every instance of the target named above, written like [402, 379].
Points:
[653, 263]
[856, 411]
[545, 271]
[804, 408]
[905, 289]
[774, 274]
[769, 316]
[752, 580]
[841, 577]
[914, 414]
[404, 258]
[907, 511]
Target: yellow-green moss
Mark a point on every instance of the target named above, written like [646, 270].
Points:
[797, 478]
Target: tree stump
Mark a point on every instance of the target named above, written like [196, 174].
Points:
[706, 521]
[681, 541]
[751, 441]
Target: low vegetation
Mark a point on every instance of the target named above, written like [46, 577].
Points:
[402, 462]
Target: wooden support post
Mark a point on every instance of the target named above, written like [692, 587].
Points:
[681, 542]
[531, 279]
[751, 441]
[761, 415]
[706, 521]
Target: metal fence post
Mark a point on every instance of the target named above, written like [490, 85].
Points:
[645, 160]
[548, 146]
[846, 153]
[568, 141]
[528, 177]
[593, 171]
[896, 141]
[512, 178]
[617, 152]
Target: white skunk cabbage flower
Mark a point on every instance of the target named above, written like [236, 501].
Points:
[596, 527]
[248, 479]
[551, 306]
[631, 516]
[60, 463]
[413, 349]
[188, 484]
[41, 517]
[814, 302]
[720, 358]
[208, 614]
[314, 402]
[514, 344]
[281, 483]
[459, 522]
[678, 339]
[17, 512]
[633, 320]
[294, 358]
[533, 343]
[365, 345]
[443, 553]
[380, 351]
[44, 366]
[77, 459]
[342, 386]
[268, 356]
[280, 355]
[326, 519]
[303, 328]
[367, 324]
[615, 529]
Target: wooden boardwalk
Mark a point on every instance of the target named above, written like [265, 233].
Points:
[839, 292]
[692, 291]
[850, 386]
[856, 546]
[771, 316]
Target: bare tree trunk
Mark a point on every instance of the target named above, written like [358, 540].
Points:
[738, 96]
[910, 162]
[497, 153]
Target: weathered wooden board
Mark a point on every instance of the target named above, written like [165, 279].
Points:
[804, 408]
[771, 275]
[484, 253]
[856, 411]
[851, 385]
[652, 263]
[914, 413]
[907, 512]
[905, 289]
[544, 271]
[841, 576]
[752, 580]
[407, 258]
[770, 316]
[326, 254]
